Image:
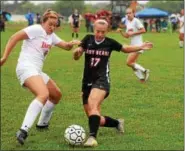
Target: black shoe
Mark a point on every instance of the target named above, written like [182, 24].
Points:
[42, 127]
[21, 136]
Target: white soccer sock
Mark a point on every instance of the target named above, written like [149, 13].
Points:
[181, 43]
[139, 74]
[139, 67]
[46, 113]
[31, 114]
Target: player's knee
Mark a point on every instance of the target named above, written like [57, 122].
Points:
[93, 109]
[93, 112]
[181, 37]
[129, 63]
[43, 95]
[56, 97]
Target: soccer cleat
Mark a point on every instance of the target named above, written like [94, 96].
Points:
[21, 136]
[120, 126]
[42, 127]
[139, 74]
[91, 142]
[146, 73]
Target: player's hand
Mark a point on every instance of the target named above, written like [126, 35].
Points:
[77, 53]
[75, 42]
[147, 46]
[72, 43]
[3, 60]
[130, 33]
[119, 30]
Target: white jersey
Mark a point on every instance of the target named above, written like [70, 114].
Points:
[35, 49]
[181, 19]
[134, 26]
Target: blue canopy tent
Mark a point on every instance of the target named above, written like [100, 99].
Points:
[151, 13]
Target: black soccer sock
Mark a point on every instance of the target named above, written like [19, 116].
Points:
[76, 35]
[94, 122]
[110, 122]
[72, 35]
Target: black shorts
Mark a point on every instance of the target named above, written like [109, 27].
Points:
[76, 25]
[86, 89]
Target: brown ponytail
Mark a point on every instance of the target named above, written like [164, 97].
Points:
[49, 14]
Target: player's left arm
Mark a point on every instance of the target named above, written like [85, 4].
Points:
[68, 45]
[140, 31]
[131, 48]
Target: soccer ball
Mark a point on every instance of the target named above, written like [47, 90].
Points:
[75, 135]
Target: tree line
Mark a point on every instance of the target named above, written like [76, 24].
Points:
[167, 5]
[66, 7]
[63, 7]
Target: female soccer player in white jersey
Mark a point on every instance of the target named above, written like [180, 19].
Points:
[134, 30]
[38, 39]
[181, 29]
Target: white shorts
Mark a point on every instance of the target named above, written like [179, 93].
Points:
[141, 51]
[24, 73]
[181, 30]
[139, 44]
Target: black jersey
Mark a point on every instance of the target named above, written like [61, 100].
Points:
[76, 18]
[97, 58]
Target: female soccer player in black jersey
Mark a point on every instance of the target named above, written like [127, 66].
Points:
[95, 83]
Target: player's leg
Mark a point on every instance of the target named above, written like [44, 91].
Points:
[92, 109]
[76, 30]
[139, 70]
[54, 98]
[73, 31]
[181, 39]
[37, 86]
[107, 121]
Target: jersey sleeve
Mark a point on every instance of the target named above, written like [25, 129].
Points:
[123, 20]
[84, 42]
[32, 31]
[55, 39]
[139, 25]
[115, 45]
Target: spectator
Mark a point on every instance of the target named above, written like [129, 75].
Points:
[174, 21]
[158, 25]
[2, 23]
[145, 23]
[38, 18]
[30, 19]
[164, 25]
[87, 22]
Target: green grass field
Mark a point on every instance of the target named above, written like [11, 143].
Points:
[153, 112]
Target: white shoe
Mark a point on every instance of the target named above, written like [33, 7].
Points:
[120, 126]
[146, 73]
[139, 74]
[91, 142]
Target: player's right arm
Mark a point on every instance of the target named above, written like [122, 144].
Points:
[18, 36]
[123, 34]
[77, 53]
